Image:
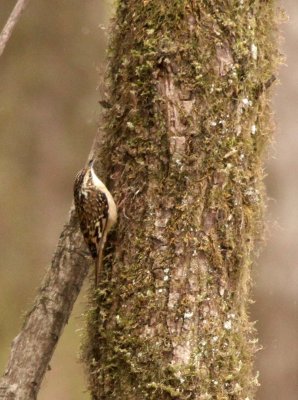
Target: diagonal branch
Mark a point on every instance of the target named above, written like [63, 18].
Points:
[11, 23]
[32, 349]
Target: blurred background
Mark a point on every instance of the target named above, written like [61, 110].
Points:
[48, 118]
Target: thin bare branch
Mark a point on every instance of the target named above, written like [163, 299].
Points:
[11, 23]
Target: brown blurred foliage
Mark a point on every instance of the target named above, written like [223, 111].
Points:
[276, 273]
[48, 118]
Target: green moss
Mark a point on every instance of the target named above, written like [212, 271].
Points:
[177, 269]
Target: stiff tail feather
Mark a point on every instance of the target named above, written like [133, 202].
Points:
[99, 260]
[98, 265]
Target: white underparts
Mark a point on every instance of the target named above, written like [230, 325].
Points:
[112, 206]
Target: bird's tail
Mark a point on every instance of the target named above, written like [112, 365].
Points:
[98, 266]
[99, 259]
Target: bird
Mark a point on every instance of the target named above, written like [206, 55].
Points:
[96, 211]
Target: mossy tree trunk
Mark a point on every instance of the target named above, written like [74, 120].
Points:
[183, 152]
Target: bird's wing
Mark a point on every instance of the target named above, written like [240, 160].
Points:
[93, 215]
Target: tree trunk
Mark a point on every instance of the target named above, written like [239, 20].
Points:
[183, 150]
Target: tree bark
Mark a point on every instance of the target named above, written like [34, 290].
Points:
[185, 138]
[32, 349]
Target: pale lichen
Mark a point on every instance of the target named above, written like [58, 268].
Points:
[186, 166]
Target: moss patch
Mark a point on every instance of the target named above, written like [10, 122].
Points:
[183, 151]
